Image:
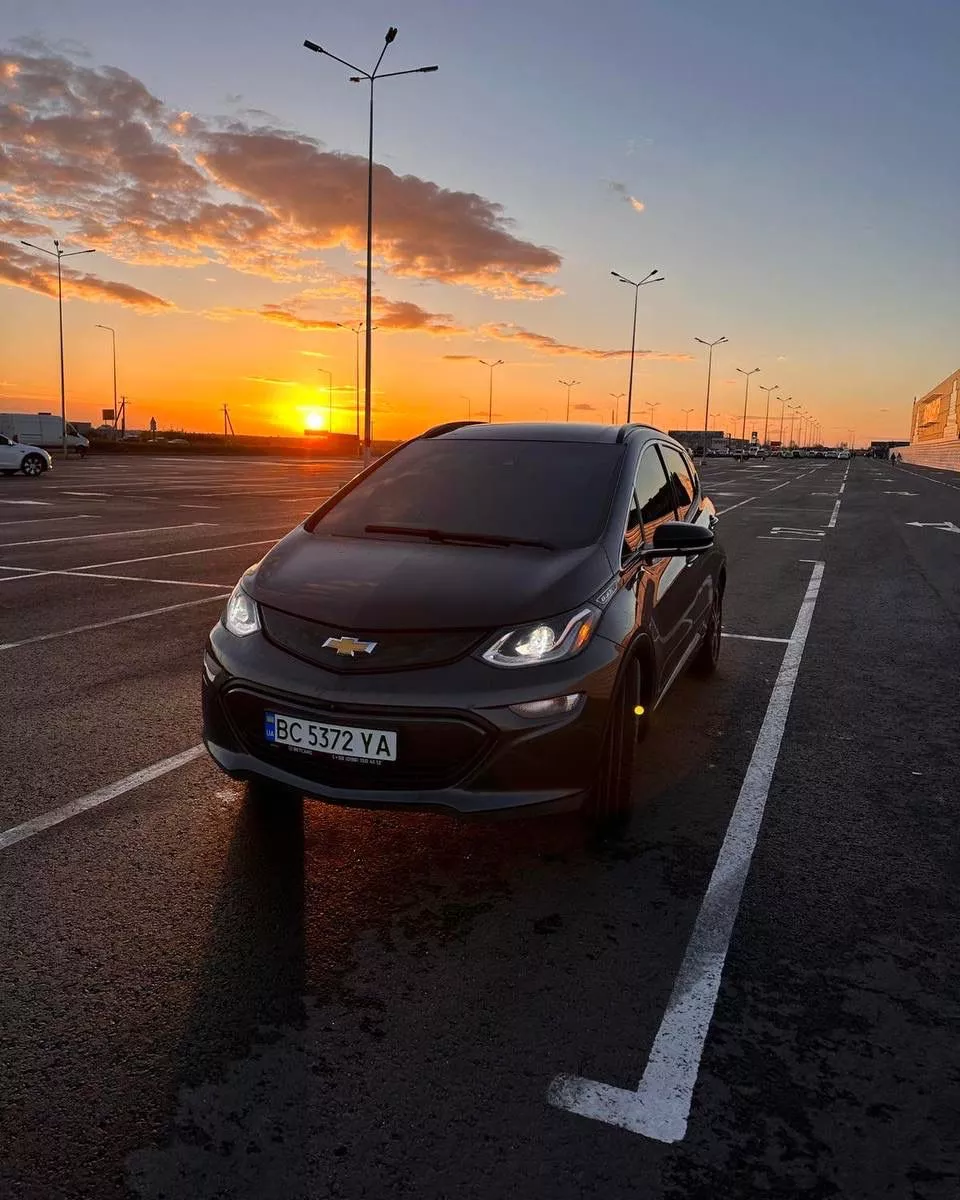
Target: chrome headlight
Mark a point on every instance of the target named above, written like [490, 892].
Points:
[543, 641]
[241, 616]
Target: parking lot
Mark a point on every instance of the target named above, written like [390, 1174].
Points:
[753, 993]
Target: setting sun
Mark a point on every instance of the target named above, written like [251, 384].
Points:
[313, 419]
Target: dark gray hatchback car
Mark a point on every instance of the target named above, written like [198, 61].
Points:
[482, 620]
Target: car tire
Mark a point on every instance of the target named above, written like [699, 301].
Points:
[611, 801]
[707, 658]
[33, 465]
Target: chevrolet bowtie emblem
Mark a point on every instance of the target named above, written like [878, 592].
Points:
[348, 646]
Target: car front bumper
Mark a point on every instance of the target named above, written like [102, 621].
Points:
[463, 751]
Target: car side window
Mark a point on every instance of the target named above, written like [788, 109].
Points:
[680, 474]
[652, 502]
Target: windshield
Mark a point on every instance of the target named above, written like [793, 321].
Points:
[556, 493]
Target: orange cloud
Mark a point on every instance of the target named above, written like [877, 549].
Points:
[621, 190]
[402, 316]
[21, 268]
[504, 331]
[95, 151]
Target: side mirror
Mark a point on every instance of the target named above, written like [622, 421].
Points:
[675, 538]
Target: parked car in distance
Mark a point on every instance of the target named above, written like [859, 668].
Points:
[15, 456]
[483, 620]
[44, 430]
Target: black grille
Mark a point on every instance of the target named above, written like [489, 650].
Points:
[396, 651]
[433, 750]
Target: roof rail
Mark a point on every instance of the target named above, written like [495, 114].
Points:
[624, 430]
[448, 427]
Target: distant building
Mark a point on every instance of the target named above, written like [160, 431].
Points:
[693, 439]
[935, 427]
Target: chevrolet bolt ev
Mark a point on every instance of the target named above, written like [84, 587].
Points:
[483, 620]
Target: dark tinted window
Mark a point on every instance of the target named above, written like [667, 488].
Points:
[680, 473]
[653, 492]
[556, 492]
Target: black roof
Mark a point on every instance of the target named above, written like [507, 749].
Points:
[538, 431]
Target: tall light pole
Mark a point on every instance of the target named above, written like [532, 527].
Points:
[766, 417]
[746, 393]
[653, 405]
[686, 417]
[653, 277]
[617, 397]
[499, 363]
[706, 410]
[569, 384]
[58, 253]
[356, 330]
[795, 409]
[371, 77]
[329, 375]
[784, 401]
[113, 336]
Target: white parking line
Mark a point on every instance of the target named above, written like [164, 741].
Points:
[753, 637]
[660, 1107]
[86, 537]
[41, 520]
[140, 616]
[19, 833]
[831, 524]
[721, 511]
[76, 574]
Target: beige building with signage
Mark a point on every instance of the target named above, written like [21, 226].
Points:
[935, 427]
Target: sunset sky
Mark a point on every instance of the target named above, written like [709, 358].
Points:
[790, 167]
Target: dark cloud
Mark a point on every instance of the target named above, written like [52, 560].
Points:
[23, 268]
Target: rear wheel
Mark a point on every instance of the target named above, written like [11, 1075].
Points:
[611, 801]
[708, 656]
[32, 465]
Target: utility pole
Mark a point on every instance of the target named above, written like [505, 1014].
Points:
[227, 423]
[569, 384]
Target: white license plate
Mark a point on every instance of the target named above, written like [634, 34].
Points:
[342, 741]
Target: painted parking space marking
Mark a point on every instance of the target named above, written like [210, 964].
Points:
[46, 503]
[754, 637]
[95, 625]
[86, 537]
[28, 829]
[660, 1106]
[41, 520]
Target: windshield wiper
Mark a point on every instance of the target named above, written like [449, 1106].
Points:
[449, 535]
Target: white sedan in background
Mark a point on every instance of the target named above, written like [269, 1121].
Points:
[14, 456]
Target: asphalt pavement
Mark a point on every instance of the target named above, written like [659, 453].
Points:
[754, 992]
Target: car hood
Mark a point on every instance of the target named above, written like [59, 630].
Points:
[373, 583]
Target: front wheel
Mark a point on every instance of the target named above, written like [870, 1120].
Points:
[33, 465]
[707, 658]
[611, 800]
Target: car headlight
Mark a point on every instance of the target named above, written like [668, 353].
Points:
[543, 641]
[241, 616]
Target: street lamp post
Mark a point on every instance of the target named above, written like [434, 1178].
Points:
[746, 393]
[569, 384]
[356, 330]
[329, 375]
[766, 417]
[653, 277]
[686, 417]
[58, 253]
[371, 77]
[794, 410]
[784, 401]
[491, 365]
[617, 397]
[113, 336]
[653, 405]
[706, 410]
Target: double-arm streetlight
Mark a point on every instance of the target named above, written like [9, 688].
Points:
[371, 77]
[784, 401]
[113, 334]
[766, 416]
[686, 417]
[58, 253]
[706, 411]
[329, 375]
[569, 384]
[746, 393]
[499, 363]
[356, 330]
[617, 397]
[653, 277]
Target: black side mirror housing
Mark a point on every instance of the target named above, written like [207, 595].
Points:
[675, 538]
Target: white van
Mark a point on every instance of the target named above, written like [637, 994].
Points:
[42, 429]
